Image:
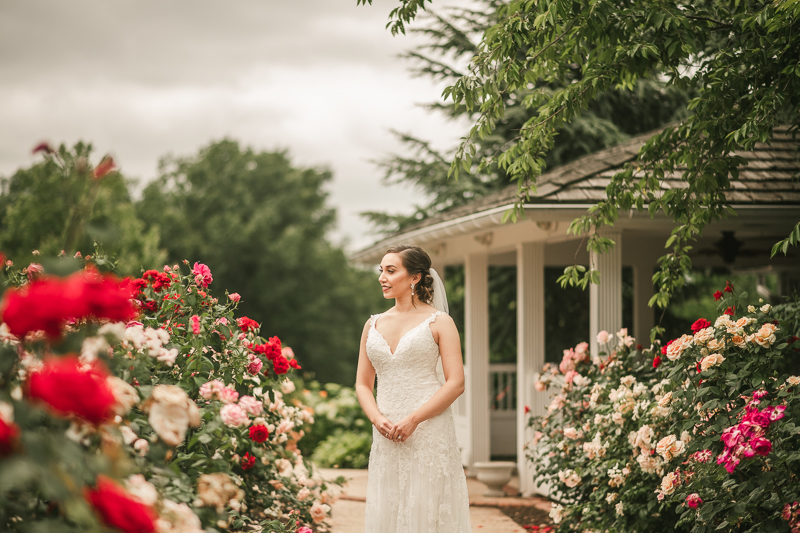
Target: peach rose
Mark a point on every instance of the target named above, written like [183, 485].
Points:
[711, 361]
[318, 512]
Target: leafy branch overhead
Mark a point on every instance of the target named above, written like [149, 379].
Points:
[553, 61]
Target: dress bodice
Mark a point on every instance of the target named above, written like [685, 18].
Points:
[406, 378]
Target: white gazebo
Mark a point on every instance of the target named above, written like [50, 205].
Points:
[765, 197]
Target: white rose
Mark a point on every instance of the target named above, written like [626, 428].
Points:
[556, 512]
[171, 413]
[128, 435]
[138, 486]
[619, 508]
[793, 381]
[766, 308]
[602, 338]
[125, 395]
[287, 386]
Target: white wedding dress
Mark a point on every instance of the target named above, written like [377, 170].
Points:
[416, 486]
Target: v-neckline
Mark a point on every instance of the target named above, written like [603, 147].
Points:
[403, 336]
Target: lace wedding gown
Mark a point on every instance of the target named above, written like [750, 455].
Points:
[416, 486]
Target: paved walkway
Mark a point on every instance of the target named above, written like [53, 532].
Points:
[348, 511]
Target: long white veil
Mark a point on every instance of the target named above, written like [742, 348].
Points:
[439, 294]
[440, 303]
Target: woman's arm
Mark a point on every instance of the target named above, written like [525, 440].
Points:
[450, 351]
[365, 384]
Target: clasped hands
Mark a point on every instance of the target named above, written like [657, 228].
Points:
[397, 432]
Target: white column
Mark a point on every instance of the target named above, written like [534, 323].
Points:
[605, 299]
[476, 340]
[643, 315]
[530, 351]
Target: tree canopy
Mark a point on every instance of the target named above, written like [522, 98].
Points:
[261, 225]
[62, 204]
[557, 59]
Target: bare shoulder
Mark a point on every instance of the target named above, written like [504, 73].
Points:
[444, 322]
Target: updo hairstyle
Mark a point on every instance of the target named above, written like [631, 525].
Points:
[416, 261]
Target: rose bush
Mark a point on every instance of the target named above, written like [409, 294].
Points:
[697, 435]
[595, 447]
[145, 405]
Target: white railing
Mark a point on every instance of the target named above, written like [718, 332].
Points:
[503, 387]
[503, 408]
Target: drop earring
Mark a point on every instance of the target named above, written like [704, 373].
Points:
[412, 290]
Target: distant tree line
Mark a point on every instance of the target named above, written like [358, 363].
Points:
[260, 223]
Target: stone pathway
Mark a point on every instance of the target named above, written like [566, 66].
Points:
[348, 511]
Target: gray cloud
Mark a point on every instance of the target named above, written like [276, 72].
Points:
[144, 78]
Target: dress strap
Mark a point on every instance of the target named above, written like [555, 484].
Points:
[373, 318]
[433, 317]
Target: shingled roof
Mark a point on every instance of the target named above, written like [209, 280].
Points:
[766, 180]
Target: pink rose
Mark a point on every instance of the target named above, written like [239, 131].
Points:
[761, 446]
[228, 395]
[304, 529]
[233, 415]
[202, 274]
[603, 337]
[254, 367]
[195, 322]
[569, 376]
[694, 500]
[539, 386]
[209, 389]
[234, 297]
[251, 405]
[775, 413]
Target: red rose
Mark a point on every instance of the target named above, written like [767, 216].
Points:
[717, 295]
[639, 347]
[270, 349]
[118, 509]
[294, 364]
[47, 304]
[159, 279]
[700, 323]
[104, 167]
[730, 311]
[9, 437]
[259, 433]
[150, 306]
[281, 364]
[728, 286]
[247, 324]
[527, 409]
[656, 361]
[248, 461]
[70, 389]
[107, 297]
[134, 285]
[43, 147]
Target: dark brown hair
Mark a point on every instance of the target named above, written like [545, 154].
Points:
[416, 261]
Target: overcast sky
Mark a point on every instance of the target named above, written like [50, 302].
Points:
[144, 78]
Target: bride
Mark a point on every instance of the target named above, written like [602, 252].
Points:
[416, 481]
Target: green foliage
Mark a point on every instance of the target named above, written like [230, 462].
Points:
[344, 449]
[627, 445]
[57, 204]
[335, 408]
[172, 427]
[736, 61]
[451, 38]
[260, 222]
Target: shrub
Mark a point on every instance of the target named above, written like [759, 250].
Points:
[161, 410]
[699, 436]
[343, 449]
